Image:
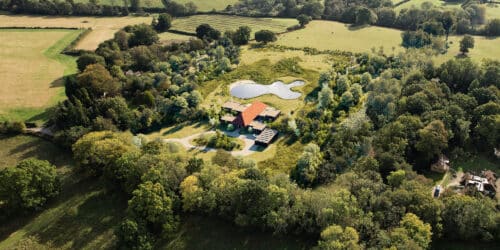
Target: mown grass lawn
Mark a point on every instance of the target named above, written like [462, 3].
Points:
[31, 71]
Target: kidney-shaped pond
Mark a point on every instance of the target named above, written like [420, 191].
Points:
[249, 89]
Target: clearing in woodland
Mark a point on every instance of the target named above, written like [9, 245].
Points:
[103, 28]
[31, 70]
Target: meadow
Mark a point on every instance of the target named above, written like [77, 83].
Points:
[418, 4]
[31, 70]
[484, 48]
[103, 28]
[339, 36]
[223, 23]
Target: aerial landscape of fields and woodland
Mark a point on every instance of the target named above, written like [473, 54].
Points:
[250, 124]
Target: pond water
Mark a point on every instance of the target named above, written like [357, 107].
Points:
[249, 89]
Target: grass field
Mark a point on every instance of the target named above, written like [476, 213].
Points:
[327, 35]
[223, 23]
[103, 28]
[167, 37]
[31, 69]
[418, 4]
[484, 47]
[203, 5]
[319, 63]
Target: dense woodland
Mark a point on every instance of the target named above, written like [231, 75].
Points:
[372, 128]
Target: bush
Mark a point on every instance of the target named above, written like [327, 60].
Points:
[12, 128]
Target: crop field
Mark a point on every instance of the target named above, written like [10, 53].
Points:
[31, 69]
[203, 5]
[223, 23]
[327, 35]
[103, 28]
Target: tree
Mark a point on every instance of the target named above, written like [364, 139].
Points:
[142, 34]
[303, 19]
[98, 150]
[207, 32]
[325, 97]
[447, 19]
[28, 185]
[163, 23]
[337, 238]
[133, 235]
[419, 231]
[87, 59]
[307, 165]
[242, 35]
[97, 79]
[365, 16]
[265, 36]
[466, 43]
[462, 212]
[492, 28]
[151, 205]
[432, 139]
[396, 178]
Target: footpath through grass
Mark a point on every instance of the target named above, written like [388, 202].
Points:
[31, 71]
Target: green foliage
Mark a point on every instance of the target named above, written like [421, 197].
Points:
[337, 238]
[466, 43]
[307, 166]
[303, 19]
[28, 185]
[163, 23]
[433, 139]
[396, 178]
[150, 204]
[265, 36]
[142, 34]
[88, 59]
[98, 150]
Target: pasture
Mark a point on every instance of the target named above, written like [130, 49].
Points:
[103, 28]
[327, 35]
[31, 70]
[223, 23]
[484, 47]
[418, 4]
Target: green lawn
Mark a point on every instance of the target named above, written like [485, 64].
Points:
[223, 23]
[31, 71]
[328, 35]
[168, 37]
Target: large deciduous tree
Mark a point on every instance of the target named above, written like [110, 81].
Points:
[29, 185]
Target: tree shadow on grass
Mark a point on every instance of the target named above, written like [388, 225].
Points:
[42, 150]
[58, 83]
[354, 27]
[85, 219]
